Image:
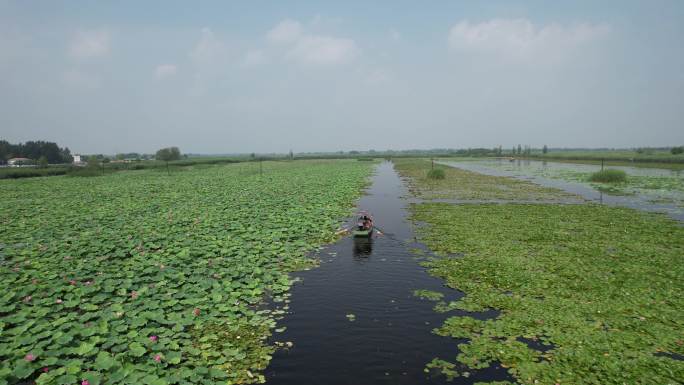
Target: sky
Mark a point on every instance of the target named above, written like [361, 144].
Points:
[259, 76]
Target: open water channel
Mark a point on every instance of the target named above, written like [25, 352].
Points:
[355, 321]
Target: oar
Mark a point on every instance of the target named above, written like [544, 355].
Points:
[342, 231]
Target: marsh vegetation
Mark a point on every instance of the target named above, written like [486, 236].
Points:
[587, 293]
[609, 175]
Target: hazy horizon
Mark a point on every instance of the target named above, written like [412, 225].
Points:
[324, 77]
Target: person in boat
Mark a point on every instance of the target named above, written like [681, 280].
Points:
[365, 221]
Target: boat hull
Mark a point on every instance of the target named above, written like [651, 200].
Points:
[363, 233]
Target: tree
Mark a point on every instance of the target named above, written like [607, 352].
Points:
[519, 150]
[167, 155]
[34, 150]
[545, 149]
[677, 150]
[42, 162]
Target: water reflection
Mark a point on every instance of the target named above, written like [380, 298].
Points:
[363, 247]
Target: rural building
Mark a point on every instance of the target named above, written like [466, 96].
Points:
[79, 159]
[16, 162]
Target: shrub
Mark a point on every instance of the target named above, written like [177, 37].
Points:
[85, 171]
[677, 150]
[608, 176]
[365, 159]
[25, 172]
[436, 173]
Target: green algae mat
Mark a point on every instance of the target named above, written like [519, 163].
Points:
[144, 278]
[587, 294]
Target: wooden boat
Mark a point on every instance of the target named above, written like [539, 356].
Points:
[364, 225]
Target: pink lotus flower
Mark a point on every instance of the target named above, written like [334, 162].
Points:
[134, 294]
[72, 282]
[58, 300]
[154, 338]
[30, 357]
[196, 312]
[85, 382]
[88, 283]
[45, 369]
[157, 358]
[27, 298]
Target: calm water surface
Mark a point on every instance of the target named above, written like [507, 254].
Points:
[390, 340]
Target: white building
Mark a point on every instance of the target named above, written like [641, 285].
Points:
[16, 162]
[79, 159]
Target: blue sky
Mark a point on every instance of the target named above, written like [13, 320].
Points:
[224, 77]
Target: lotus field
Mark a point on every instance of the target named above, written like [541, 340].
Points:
[145, 278]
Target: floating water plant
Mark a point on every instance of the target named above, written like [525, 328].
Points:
[141, 278]
[603, 285]
[599, 287]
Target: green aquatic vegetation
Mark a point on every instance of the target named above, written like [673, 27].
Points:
[145, 278]
[436, 173]
[608, 175]
[466, 185]
[603, 286]
[428, 294]
[612, 189]
[444, 367]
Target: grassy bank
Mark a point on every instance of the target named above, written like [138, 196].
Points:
[141, 277]
[587, 293]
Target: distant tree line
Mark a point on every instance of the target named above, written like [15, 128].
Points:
[39, 150]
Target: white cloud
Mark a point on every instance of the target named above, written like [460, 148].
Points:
[79, 79]
[378, 76]
[87, 44]
[287, 31]
[323, 50]
[254, 58]
[209, 50]
[165, 70]
[520, 37]
[210, 60]
[311, 49]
